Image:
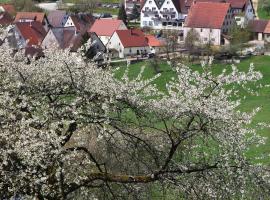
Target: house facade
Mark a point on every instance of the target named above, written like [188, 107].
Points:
[211, 21]
[163, 14]
[260, 29]
[81, 22]
[128, 43]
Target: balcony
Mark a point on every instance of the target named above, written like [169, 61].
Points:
[150, 12]
[167, 12]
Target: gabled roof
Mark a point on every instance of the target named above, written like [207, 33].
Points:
[105, 27]
[5, 19]
[82, 22]
[237, 4]
[260, 26]
[207, 15]
[56, 17]
[152, 41]
[35, 16]
[67, 38]
[132, 38]
[8, 8]
[33, 32]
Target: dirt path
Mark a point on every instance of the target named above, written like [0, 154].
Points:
[255, 5]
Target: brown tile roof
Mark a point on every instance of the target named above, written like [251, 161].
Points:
[56, 18]
[207, 15]
[36, 16]
[267, 28]
[33, 32]
[132, 38]
[239, 4]
[105, 27]
[258, 25]
[82, 22]
[5, 19]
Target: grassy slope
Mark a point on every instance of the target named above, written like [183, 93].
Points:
[262, 64]
[261, 12]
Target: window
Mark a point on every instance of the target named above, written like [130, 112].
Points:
[150, 23]
[211, 30]
[145, 23]
[205, 39]
[201, 30]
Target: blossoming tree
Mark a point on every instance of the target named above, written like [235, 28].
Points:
[69, 130]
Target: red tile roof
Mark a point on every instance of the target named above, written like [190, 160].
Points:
[105, 27]
[5, 19]
[207, 15]
[267, 28]
[8, 8]
[152, 41]
[132, 38]
[33, 32]
[36, 16]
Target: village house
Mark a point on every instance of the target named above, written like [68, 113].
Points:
[260, 29]
[243, 10]
[163, 14]
[62, 37]
[81, 22]
[57, 18]
[129, 5]
[104, 28]
[28, 34]
[156, 45]
[212, 21]
[130, 42]
[33, 17]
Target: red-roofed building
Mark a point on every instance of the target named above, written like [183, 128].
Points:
[29, 34]
[156, 45]
[243, 10]
[32, 17]
[210, 20]
[104, 28]
[130, 42]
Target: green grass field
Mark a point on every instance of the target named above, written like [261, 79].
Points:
[262, 64]
[262, 12]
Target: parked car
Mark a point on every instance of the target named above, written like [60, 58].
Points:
[105, 15]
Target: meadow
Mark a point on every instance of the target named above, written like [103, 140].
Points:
[262, 63]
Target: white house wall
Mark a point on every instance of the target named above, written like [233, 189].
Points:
[49, 41]
[206, 35]
[155, 19]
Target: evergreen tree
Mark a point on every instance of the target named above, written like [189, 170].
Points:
[135, 12]
[122, 14]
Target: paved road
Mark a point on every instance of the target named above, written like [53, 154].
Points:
[51, 6]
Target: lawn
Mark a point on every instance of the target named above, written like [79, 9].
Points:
[262, 12]
[262, 64]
